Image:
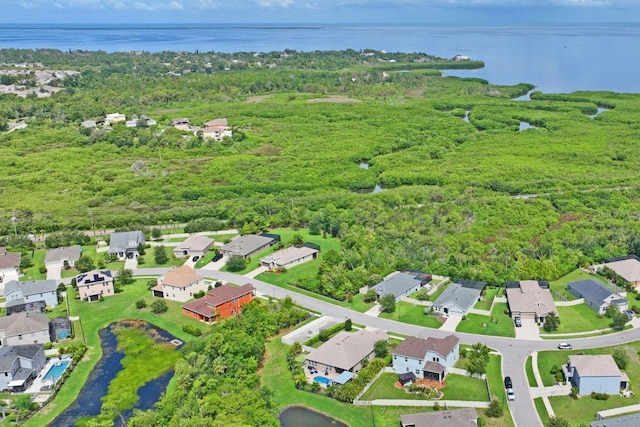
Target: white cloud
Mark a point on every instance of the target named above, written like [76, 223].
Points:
[174, 5]
[274, 3]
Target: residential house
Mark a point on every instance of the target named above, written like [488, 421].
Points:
[181, 124]
[627, 267]
[631, 420]
[194, 245]
[24, 328]
[597, 296]
[59, 257]
[426, 358]
[456, 300]
[345, 351]
[114, 118]
[530, 301]
[125, 244]
[89, 124]
[9, 266]
[463, 417]
[247, 245]
[219, 303]
[180, 284]
[19, 364]
[289, 257]
[401, 284]
[25, 296]
[216, 129]
[595, 373]
[95, 285]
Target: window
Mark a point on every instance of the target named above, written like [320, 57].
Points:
[406, 359]
[417, 371]
[436, 359]
[407, 369]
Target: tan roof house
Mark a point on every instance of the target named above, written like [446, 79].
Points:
[344, 352]
[9, 266]
[179, 284]
[628, 269]
[26, 327]
[194, 245]
[289, 257]
[216, 129]
[595, 373]
[530, 301]
[58, 256]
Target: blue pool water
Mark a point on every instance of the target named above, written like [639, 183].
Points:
[322, 380]
[56, 371]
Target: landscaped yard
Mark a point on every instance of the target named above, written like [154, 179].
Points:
[413, 314]
[487, 299]
[580, 318]
[434, 296]
[560, 285]
[97, 315]
[498, 323]
[384, 388]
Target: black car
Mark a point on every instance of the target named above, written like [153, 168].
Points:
[195, 258]
[507, 382]
[217, 257]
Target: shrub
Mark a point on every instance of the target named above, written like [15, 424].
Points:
[324, 335]
[192, 330]
[42, 269]
[495, 409]
[348, 325]
[370, 296]
[236, 263]
[151, 283]
[140, 304]
[159, 306]
[199, 294]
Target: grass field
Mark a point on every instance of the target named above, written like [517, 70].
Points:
[413, 314]
[542, 411]
[560, 285]
[531, 379]
[487, 299]
[97, 315]
[580, 318]
[502, 325]
[384, 388]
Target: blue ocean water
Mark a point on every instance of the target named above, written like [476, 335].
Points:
[558, 58]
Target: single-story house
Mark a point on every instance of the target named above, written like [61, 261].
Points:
[426, 358]
[194, 245]
[24, 328]
[456, 300]
[247, 245]
[9, 266]
[21, 296]
[95, 284]
[631, 420]
[125, 244]
[401, 284]
[597, 296]
[288, 257]
[345, 352]
[463, 417]
[627, 267]
[595, 373]
[216, 129]
[19, 364]
[180, 284]
[530, 301]
[219, 303]
[115, 118]
[60, 256]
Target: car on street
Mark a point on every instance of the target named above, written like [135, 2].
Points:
[195, 258]
[518, 322]
[511, 395]
[507, 383]
[565, 346]
[630, 314]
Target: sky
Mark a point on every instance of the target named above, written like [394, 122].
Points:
[320, 11]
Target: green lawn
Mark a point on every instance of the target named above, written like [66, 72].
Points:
[494, 378]
[584, 410]
[150, 262]
[222, 237]
[33, 272]
[580, 318]
[276, 378]
[542, 410]
[502, 325]
[487, 299]
[560, 285]
[97, 315]
[461, 387]
[384, 388]
[531, 379]
[176, 239]
[439, 291]
[413, 314]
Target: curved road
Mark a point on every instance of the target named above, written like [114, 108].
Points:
[514, 352]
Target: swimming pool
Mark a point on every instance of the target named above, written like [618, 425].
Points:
[56, 370]
[322, 380]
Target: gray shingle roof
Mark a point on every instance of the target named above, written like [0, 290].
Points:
[9, 259]
[120, 242]
[246, 245]
[632, 420]
[68, 253]
[10, 353]
[31, 287]
[464, 297]
[591, 290]
[23, 323]
[397, 284]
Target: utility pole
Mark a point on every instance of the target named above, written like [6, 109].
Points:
[13, 220]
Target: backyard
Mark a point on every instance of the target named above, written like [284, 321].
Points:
[580, 318]
[498, 323]
[487, 299]
[560, 285]
[413, 314]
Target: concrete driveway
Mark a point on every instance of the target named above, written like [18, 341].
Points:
[131, 263]
[528, 331]
[54, 271]
[217, 265]
[451, 323]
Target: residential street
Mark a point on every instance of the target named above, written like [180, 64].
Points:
[514, 352]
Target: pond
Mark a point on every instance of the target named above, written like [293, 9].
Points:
[466, 116]
[364, 165]
[378, 188]
[525, 126]
[89, 401]
[301, 416]
[600, 111]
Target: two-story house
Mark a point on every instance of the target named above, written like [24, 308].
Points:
[180, 284]
[19, 364]
[9, 266]
[219, 303]
[426, 358]
[95, 284]
[125, 244]
[33, 295]
[24, 328]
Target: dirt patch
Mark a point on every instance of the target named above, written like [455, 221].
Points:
[416, 93]
[167, 111]
[423, 383]
[257, 98]
[267, 150]
[335, 99]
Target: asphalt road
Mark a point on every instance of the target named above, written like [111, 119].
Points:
[514, 352]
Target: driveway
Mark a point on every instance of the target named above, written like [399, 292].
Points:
[528, 331]
[255, 272]
[451, 323]
[54, 272]
[131, 263]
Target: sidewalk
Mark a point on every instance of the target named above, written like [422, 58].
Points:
[374, 311]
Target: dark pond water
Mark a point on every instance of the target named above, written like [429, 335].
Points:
[89, 400]
[300, 416]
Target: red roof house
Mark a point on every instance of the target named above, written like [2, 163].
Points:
[219, 303]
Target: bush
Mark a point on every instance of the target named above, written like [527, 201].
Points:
[495, 409]
[192, 330]
[159, 306]
[324, 335]
[42, 269]
[151, 283]
[348, 325]
[370, 296]
[199, 294]
[140, 304]
[236, 263]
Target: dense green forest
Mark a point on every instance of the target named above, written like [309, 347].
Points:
[313, 134]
